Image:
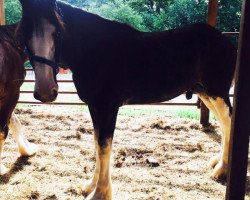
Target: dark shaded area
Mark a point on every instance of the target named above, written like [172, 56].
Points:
[18, 166]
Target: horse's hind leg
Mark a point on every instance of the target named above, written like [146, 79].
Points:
[221, 108]
[24, 146]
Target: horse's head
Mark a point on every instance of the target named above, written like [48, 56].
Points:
[41, 26]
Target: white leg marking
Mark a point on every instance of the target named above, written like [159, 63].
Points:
[3, 169]
[103, 190]
[213, 162]
[209, 104]
[91, 184]
[222, 109]
[24, 146]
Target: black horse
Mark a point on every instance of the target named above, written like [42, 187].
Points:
[114, 64]
[12, 75]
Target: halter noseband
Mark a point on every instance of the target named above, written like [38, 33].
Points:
[34, 58]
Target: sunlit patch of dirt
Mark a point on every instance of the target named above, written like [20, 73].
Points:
[154, 157]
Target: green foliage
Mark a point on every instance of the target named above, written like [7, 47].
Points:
[78, 3]
[150, 15]
[157, 15]
[229, 15]
[13, 11]
[174, 14]
[183, 12]
[149, 6]
[119, 11]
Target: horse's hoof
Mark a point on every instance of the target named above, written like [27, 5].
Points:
[3, 170]
[220, 171]
[214, 161]
[29, 149]
[88, 188]
[104, 194]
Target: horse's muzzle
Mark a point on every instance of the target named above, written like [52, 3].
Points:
[46, 98]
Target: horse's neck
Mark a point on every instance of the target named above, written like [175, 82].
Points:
[11, 27]
[14, 38]
[11, 31]
[89, 23]
[85, 30]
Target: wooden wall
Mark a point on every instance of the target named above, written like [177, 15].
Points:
[2, 17]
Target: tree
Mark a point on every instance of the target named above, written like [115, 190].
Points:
[119, 11]
[229, 15]
[151, 15]
[183, 12]
[13, 11]
[149, 6]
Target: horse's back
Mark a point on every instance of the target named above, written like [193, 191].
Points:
[171, 62]
[139, 67]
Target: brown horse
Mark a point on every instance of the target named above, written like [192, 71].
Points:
[114, 64]
[12, 75]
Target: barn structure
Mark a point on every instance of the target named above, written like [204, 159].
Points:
[240, 129]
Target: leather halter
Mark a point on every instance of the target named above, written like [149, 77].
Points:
[54, 64]
[58, 50]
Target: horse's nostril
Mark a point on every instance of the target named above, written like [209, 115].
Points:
[54, 92]
[37, 96]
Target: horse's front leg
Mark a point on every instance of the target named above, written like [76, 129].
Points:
[6, 108]
[24, 146]
[3, 134]
[104, 124]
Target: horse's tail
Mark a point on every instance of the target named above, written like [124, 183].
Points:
[235, 68]
[234, 77]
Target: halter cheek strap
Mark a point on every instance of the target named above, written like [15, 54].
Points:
[34, 58]
[58, 53]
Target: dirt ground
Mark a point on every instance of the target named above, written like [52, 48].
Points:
[180, 150]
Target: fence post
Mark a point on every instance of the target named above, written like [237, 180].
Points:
[2, 17]
[211, 20]
[212, 12]
[240, 129]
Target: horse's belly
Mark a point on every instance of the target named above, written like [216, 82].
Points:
[151, 98]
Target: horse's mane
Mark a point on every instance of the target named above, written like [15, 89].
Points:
[7, 35]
